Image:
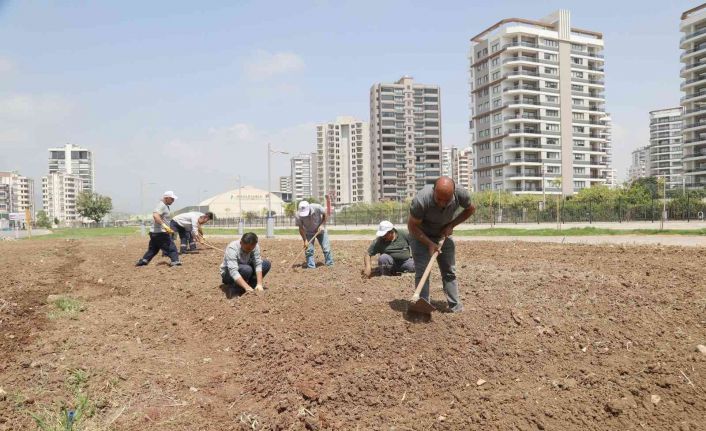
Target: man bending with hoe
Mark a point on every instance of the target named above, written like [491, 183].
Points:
[433, 214]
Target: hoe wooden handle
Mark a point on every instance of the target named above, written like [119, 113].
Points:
[415, 297]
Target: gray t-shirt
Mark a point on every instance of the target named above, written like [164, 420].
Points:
[434, 218]
[235, 256]
[312, 221]
[163, 210]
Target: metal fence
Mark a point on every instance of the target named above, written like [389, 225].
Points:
[535, 212]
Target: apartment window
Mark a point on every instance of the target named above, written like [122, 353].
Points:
[550, 57]
[494, 62]
[551, 127]
[579, 171]
[577, 47]
[497, 102]
[497, 131]
[552, 99]
[498, 117]
[498, 158]
[553, 169]
[576, 60]
[579, 129]
[575, 87]
[498, 172]
[497, 145]
[496, 89]
[550, 70]
[578, 102]
[579, 184]
[579, 156]
[552, 141]
[578, 115]
[551, 84]
[576, 74]
[551, 43]
[494, 47]
[552, 155]
[496, 75]
[552, 113]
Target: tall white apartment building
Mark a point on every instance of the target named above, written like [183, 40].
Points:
[74, 160]
[59, 193]
[640, 165]
[343, 161]
[303, 168]
[538, 106]
[611, 179]
[285, 184]
[463, 168]
[405, 134]
[693, 74]
[665, 148]
[448, 159]
[18, 193]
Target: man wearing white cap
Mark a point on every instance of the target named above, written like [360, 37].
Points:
[161, 233]
[394, 250]
[311, 219]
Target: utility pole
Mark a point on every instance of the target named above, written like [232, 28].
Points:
[664, 203]
[240, 207]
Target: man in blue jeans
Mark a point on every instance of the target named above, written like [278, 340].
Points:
[311, 219]
[243, 265]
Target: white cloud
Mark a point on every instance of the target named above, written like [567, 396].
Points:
[34, 108]
[263, 65]
[6, 65]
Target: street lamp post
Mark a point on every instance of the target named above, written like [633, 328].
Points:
[270, 221]
[241, 225]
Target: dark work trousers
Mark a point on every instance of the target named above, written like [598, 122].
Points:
[161, 241]
[185, 237]
[248, 273]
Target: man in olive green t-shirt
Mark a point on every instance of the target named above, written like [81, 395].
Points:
[393, 247]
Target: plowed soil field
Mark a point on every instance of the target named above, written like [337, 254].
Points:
[553, 337]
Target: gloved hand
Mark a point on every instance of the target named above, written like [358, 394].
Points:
[167, 229]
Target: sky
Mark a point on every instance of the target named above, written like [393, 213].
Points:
[185, 96]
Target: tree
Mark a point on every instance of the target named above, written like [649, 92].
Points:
[93, 206]
[43, 219]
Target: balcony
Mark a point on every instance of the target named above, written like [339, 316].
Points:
[688, 52]
[694, 95]
[692, 35]
[521, 58]
[521, 87]
[587, 54]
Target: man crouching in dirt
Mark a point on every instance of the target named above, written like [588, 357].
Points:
[432, 216]
[243, 266]
[393, 247]
[161, 233]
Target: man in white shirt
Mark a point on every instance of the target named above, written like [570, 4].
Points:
[311, 220]
[187, 225]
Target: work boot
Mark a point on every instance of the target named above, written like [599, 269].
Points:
[141, 262]
[175, 263]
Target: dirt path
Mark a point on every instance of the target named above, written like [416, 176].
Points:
[563, 336]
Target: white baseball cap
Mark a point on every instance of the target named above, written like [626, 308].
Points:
[304, 209]
[169, 194]
[384, 228]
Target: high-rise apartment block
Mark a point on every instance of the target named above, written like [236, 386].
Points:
[74, 160]
[640, 165]
[59, 193]
[16, 193]
[303, 168]
[448, 158]
[665, 148]
[463, 168]
[538, 106]
[405, 134]
[343, 161]
[285, 184]
[693, 74]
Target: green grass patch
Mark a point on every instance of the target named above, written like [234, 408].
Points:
[68, 416]
[78, 233]
[66, 307]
